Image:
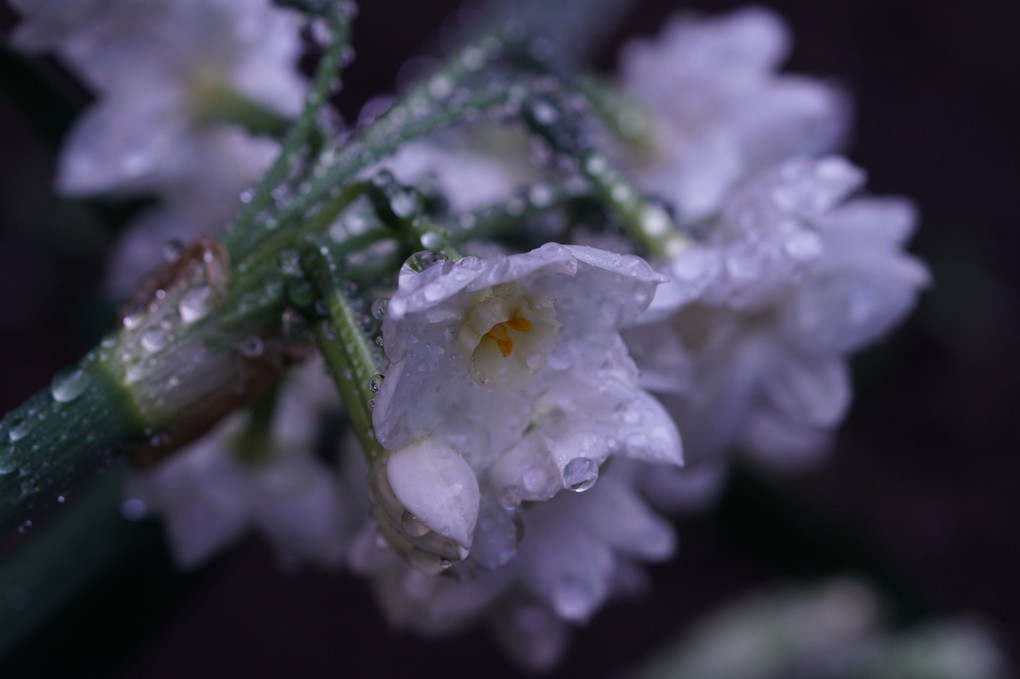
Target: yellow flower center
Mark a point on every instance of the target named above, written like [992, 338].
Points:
[501, 332]
[507, 335]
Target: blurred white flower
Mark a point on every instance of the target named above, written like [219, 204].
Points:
[208, 495]
[164, 72]
[468, 180]
[747, 343]
[577, 551]
[515, 362]
[720, 109]
[831, 630]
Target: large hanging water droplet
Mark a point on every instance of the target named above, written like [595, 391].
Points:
[68, 385]
[580, 474]
[375, 384]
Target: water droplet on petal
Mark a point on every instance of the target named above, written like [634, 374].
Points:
[375, 384]
[420, 261]
[580, 474]
[804, 246]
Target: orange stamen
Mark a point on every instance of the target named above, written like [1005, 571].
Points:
[519, 323]
[501, 336]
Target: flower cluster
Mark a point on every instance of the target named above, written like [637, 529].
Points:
[180, 85]
[506, 378]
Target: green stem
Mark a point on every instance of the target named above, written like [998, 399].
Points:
[61, 434]
[254, 445]
[82, 542]
[346, 349]
[380, 139]
[241, 237]
[624, 117]
[645, 221]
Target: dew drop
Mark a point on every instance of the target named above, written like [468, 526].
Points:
[403, 204]
[571, 597]
[7, 463]
[172, 249]
[68, 385]
[510, 497]
[540, 195]
[375, 384]
[596, 164]
[544, 113]
[440, 87]
[412, 526]
[580, 474]
[19, 430]
[251, 347]
[153, 339]
[379, 308]
[194, 303]
[432, 240]
[655, 221]
[534, 479]
[804, 246]
[420, 261]
[133, 509]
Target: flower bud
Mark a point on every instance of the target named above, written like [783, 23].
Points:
[426, 503]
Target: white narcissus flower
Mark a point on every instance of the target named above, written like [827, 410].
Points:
[208, 497]
[159, 68]
[577, 551]
[720, 110]
[514, 364]
[747, 344]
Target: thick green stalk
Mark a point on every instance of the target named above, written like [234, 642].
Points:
[61, 434]
[78, 546]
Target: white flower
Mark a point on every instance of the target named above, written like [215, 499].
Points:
[578, 550]
[158, 69]
[722, 111]
[208, 497]
[748, 342]
[468, 180]
[515, 362]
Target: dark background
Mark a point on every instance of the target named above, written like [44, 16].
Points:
[920, 494]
